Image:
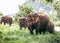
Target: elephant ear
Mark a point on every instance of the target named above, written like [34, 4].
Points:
[37, 17]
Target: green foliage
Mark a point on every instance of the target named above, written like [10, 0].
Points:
[57, 23]
[58, 16]
[24, 10]
[1, 37]
[12, 34]
[56, 5]
[33, 0]
[55, 38]
[57, 8]
[44, 1]
[49, 1]
[53, 17]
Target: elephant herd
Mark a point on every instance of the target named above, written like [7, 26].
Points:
[34, 21]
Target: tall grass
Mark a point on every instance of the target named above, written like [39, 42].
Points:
[12, 34]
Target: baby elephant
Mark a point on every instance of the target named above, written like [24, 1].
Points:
[22, 22]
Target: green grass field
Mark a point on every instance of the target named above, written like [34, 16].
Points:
[12, 34]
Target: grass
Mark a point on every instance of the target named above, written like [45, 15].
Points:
[12, 34]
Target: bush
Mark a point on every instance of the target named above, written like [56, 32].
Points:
[57, 23]
[9, 35]
[24, 10]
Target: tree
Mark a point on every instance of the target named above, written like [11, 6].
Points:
[24, 10]
[54, 3]
[57, 8]
[44, 1]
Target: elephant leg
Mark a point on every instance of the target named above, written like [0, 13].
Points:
[10, 23]
[4, 23]
[25, 27]
[44, 30]
[39, 32]
[20, 28]
[1, 22]
[36, 31]
[31, 31]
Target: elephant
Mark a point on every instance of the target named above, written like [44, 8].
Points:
[6, 20]
[22, 22]
[37, 21]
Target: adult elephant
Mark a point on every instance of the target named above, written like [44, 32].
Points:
[37, 21]
[50, 27]
[22, 22]
[6, 20]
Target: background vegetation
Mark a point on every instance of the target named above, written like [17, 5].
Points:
[24, 10]
[12, 34]
[27, 8]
